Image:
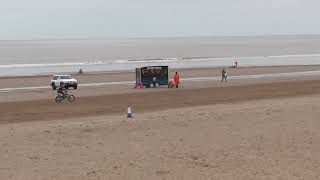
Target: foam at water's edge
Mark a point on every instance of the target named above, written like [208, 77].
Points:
[155, 60]
[51, 64]
[131, 64]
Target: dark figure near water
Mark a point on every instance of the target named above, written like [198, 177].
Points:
[224, 75]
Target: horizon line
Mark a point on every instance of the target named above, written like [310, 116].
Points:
[161, 37]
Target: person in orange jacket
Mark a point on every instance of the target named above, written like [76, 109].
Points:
[177, 80]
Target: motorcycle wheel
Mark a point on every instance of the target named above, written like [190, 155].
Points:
[71, 98]
[58, 99]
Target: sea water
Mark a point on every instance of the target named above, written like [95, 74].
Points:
[34, 57]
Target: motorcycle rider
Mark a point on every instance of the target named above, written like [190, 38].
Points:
[62, 90]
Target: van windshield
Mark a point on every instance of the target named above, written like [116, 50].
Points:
[65, 77]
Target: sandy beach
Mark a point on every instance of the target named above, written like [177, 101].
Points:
[160, 90]
[246, 129]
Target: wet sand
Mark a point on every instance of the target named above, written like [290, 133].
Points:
[27, 81]
[152, 101]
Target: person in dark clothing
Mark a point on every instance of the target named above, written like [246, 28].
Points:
[224, 75]
[62, 90]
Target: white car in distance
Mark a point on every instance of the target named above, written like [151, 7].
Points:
[67, 80]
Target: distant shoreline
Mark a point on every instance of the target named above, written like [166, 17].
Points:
[129, 65]
[133, 70]
[164, 37]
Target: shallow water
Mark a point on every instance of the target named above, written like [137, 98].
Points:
[65, 56]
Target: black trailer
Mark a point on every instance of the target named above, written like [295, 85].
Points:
[152, 76]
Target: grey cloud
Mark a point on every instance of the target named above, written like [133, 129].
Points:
[132, 18]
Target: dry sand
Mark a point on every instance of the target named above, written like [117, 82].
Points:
[267, 139]
[243, 130]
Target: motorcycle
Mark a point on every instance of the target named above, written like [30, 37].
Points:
[61, 97]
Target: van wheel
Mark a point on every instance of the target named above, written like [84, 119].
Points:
[75, 87]
[53, 86]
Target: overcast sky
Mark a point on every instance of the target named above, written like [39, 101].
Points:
[59, 19]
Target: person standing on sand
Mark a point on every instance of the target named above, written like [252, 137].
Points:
[224, 75]
[177, 80]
